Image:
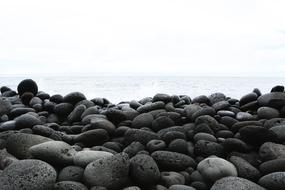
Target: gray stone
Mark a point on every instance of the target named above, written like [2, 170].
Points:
[84, 157]
[273, 181]
[271, 151]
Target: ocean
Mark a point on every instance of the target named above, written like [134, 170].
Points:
[127, 88]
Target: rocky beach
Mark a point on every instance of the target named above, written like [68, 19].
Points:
[175, 142]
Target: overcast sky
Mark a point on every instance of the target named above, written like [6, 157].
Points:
[191, 37]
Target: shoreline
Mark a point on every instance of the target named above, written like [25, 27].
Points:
[156, 143]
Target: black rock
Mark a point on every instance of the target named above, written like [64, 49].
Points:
[171, 178]
[155, 145]
[69, 185]
[207, 148]
[133, 148]
[57, 98]
[162, 122]
[5, 106]
[140, 135]
[26, 97]
[216, 97]
[248, 98]
[63, 109]
[27, 85]
[273, 99]
[71, 173]
[73, 97]
[276, 165]
[26, 121]
[277, 88]
[142, 120]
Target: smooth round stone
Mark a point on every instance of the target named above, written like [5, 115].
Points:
[27, 85]
[6, 159]
[43, 130]
[248, 98]
[18, 144]
[142, 120]
[69, 185]
[276, 165]
[132, 188]
[245, 169]
[92, 138]
[204, 136]
[189, 110]
[155, 145]
[71, 173]
[84, 157]
[244, 116]
[199, 185]
[277, 88]
[216, 97]
[161, 97]
[144, 170]
[212, 122]
[28, 174]
[250, 106]
[234, 144]
[201, 99]
[63, 109]
[75, 115]
[235, 183]
[273, 99]
[172, 160]
[161, 123]
[224, 134]
[279, 131]
[35, 100]
[204, 111]
[171, 178]
[100, 123]
[226, 113]
[89, 111]
[274, 122]
[257, 135]
[74, 97]
[172, 135]
[237, 126]
[133, 148]
[151, 106]
[140, 135]
[267, 113]
[178, 145]
[181, 187]
[221, 105]
[203, 128]
[271, 151]
[214, 168]
[56, 98]
[110, 172]
[54, 152]
[274, 181]
[27, 121]
[5, 106]
[8, 125]
[207, 148]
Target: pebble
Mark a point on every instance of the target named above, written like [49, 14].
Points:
[144, 170]
[140, 135]
[206, 148]
[26, 121]
[28, 174]
[162, 122]
[235, 183]
[276, 165]
[181, 187]
[279, 130]
[171, 178]
[216, 97]
[248, 98]
[74, 97]
[274, 181]
[271, 151]
[69, 185]
[273, 99]
[5, 106]
[142, 120]
[267, 113]
[110, 172]
[71, 173]
[92, 138]
[27, 85]
[214, 168]
[155, 145]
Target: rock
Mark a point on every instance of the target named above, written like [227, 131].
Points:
[277, 88]
[143, 170]
[133, 148]
[161, 97]
[43, 130]
[207, 148]
[74, 97]
[189, 110]
[116, 116]
[172, 160]
[216, 97]
[273, 99]
[161, 123]
[28, 174]
[100, 123]
[75, 115]
[63, 109]
[92, 138]
[234, 144]
[83, 158]
[53, 152]
[210, 121]
[155, 145]
[5, 106]
[214, 168]
[6, 159]
[221, 105]
[181, 187]
[201, 99]
[142, 120]
[271, 151]
[27, 121]
[151, 106]
[274, 181]
[89, 111]
[279, 130]
[204, 136]
[257, 135]
[140, 135]
[276, 165]
[111, 172]
[35, 100]
[172, 135]
[267, 113]
[8, 125]
[204, 111]
[244, 116]
[132, 188]
[248, 98]
[245, 169]
[235, 183]
[171, 178]
[69, 185]
[274, 122]
[71, 173]
[178, 145]
[18, 144]
[27, 85]
[57, 98]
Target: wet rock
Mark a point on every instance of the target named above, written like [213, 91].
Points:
[28, 174]
[63, 109]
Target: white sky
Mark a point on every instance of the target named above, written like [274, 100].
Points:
[191, 37]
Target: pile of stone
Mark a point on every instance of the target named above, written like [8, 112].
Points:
[157, 143]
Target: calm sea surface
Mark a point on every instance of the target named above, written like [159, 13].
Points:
[126, 88]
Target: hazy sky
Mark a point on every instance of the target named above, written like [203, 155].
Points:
[191, 37]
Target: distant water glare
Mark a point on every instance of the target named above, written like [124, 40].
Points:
[126, 88]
